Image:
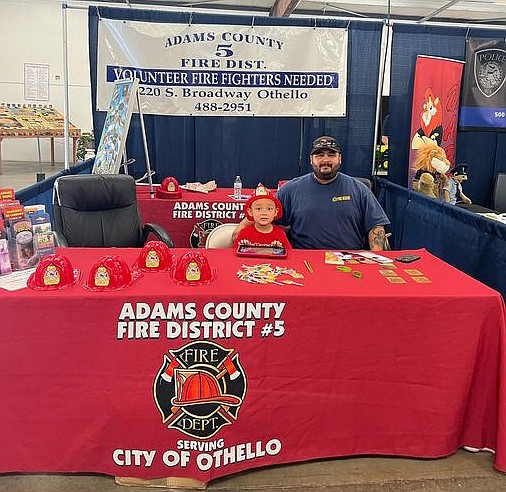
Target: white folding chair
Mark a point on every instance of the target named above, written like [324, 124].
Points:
[221, 236]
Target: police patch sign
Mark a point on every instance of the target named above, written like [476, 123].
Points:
[483, 104]
[200, 388]
[489, 70]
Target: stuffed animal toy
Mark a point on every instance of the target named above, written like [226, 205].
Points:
[430, 159]
[426, 185]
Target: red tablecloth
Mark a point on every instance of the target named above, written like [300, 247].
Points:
[189, 219]
[338, 367]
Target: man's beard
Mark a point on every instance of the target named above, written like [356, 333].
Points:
[327, 175]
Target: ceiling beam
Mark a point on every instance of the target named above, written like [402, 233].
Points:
[283, 8]
[439, 10]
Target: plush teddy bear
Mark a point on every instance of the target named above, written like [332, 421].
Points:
[426, 185]
[431, 158]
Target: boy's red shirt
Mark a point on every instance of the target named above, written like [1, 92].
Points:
[251, 234]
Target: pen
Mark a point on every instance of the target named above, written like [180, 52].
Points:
[308, 266]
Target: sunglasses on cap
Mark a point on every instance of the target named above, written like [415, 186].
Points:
[325, 144]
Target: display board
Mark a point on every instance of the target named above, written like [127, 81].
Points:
[33, 120]
[226, 70]
[115, 131]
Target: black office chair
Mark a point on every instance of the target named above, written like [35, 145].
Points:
[368, 183]
[499, 202]
[100, 211]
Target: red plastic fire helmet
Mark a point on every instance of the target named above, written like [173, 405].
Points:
[169, 188]
[155, 256]
[262, 192]
[53, 272]
[110, 272]
[193, 268]
[197, 387]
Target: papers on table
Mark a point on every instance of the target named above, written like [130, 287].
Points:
[340, 257]
[243, 197]
[200, 187]
[16, 280]
[371, 255]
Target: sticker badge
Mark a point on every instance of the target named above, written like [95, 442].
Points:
[51, 275]
[152, 259]
[200, 388]
[102, 277]
[192, 271]
[489, 70]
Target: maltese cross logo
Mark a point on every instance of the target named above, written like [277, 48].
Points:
[200, 388]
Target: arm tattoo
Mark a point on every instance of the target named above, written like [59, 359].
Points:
[377, 238]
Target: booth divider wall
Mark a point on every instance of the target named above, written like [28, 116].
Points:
[268, 149]
[42, 192]
[271, 149]
[485, 152]
[472, 243]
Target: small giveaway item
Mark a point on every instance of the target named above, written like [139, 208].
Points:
[169, 189]
[264, 273]
[193, 268]
[110, 272]
[407, 258]
[261, 251]
[155, 256]
[53, 272]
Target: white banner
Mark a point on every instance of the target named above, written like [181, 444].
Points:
[212, 70]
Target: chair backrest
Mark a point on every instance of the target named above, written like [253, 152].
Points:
[221, 236]
[499, 202]
[97, 210]
[366, 181]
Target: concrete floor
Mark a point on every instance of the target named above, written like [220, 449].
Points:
[19, 174]
[463, 472]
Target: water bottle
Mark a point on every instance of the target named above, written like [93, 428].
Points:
[237, 188]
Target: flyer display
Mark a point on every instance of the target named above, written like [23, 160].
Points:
[114, 133]
[213, 70]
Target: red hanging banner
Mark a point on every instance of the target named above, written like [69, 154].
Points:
[434, 119]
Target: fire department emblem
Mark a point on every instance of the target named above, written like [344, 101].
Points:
[489, 70]
[200, 232]
[200, 388]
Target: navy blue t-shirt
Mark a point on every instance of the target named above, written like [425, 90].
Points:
[337, 215]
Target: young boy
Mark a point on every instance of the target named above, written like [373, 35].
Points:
[452, 190]
[262, 208]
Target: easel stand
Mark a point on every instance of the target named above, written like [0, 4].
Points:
[145, 143]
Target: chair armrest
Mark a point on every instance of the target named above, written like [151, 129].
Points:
[59, 240]
[159, 232]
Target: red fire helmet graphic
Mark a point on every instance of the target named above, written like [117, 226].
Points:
[200, 388]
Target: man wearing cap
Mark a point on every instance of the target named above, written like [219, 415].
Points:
[327, 209]
[452, 189]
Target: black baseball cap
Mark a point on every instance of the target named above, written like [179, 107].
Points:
[325, 143]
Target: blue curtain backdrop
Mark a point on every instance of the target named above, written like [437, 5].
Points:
[469, 242]
[485, 152]
[270, 149]
[265, 149]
